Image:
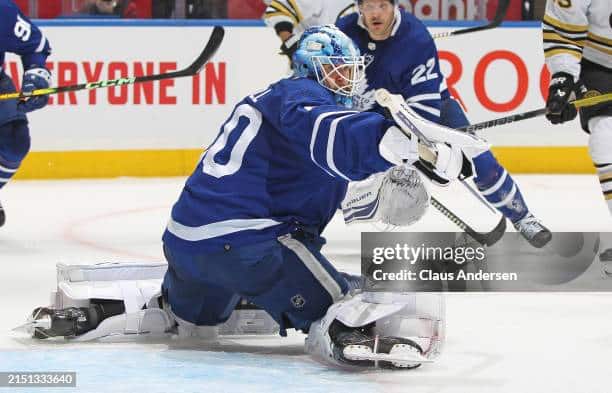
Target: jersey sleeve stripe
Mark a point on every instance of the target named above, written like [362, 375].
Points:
[6, 169]
[548, 46]
[330, 147]
[283, 9]
[272, 19]
[296, 10]
[599, 39]
[556, 50]
[564, 34]
[315, 133]
[556, 38]
[425, 108]
[345, 11]
[42, 44]
[216, 229]
[424, 97]
[566, 27]
[599, 48]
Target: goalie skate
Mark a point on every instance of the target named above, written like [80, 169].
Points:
[359, 347]
[71, 322]
[400, 355]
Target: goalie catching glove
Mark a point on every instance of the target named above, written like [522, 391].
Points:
[397, 197]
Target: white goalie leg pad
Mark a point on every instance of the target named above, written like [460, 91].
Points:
[248, 319]
[421, 319]
[150, 322]
[137, 285]
[407, 316]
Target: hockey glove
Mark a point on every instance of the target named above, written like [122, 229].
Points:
[561, 91]
[33, 79]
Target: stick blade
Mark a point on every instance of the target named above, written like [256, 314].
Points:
[214, 42]
[492, 237]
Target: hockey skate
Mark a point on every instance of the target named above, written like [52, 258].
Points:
[2, 215]
[70, 322]
[361, 347]
[533, 231]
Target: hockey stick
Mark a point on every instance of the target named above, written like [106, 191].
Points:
[214, 42]
[398, 109]
[487, 238]
[500, 13]
[535, 113]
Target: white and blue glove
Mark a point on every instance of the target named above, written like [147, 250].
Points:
[34, 79]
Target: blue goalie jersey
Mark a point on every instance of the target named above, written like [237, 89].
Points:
[406, 63]
[282, 160]
[19, 36]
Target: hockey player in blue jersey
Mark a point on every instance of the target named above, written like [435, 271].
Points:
[402, 57]
[248, 222]
[19, 36]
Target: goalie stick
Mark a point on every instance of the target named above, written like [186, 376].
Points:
[214, 42]
[500, 13]
[486, 238]
[535, 113]
[398, 109]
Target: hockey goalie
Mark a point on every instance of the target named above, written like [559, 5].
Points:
[243, 244]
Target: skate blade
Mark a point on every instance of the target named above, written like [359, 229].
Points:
[401, 355]
[32, 324]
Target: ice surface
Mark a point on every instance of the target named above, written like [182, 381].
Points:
[495, 342]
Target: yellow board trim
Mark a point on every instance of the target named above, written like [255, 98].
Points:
[162, 163]
[104, 164]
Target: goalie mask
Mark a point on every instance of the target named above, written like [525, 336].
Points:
[326, 54]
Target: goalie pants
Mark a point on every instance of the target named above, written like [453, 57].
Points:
[288, 277]
[492, 180]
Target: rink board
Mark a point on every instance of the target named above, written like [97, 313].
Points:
[160, 128]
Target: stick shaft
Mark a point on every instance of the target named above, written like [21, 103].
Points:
[584, 102]
[211, 48]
